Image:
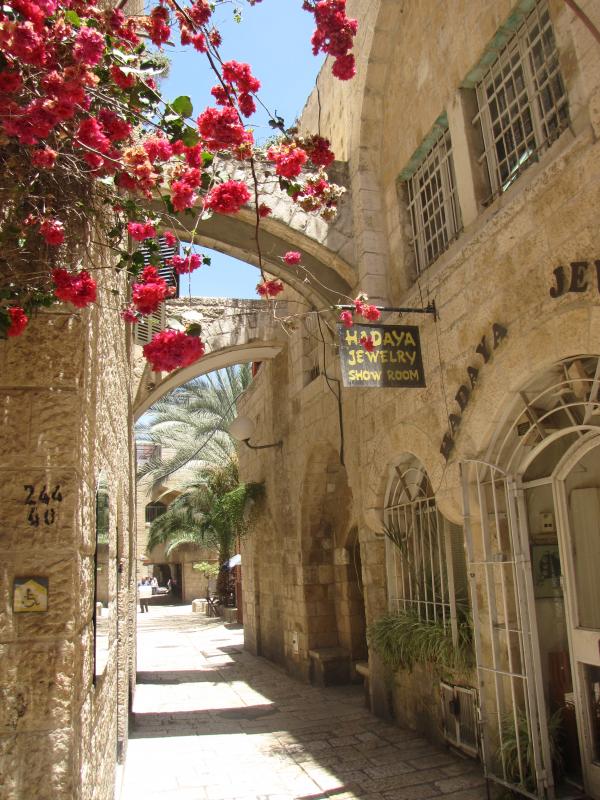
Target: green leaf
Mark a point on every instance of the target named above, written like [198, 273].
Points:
[190, 137]
[207, 158]
[206, 260]
[167, 201]
[183, 106]
[73, 19]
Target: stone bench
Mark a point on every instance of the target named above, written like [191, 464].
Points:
[329, 666]
[199, 606]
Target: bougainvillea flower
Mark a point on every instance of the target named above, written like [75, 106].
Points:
[171, 350]
[347, 319]
[292, 257]
[18, 321]
[228, 197]
[77, 288]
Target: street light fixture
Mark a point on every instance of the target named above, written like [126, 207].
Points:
[242, 428]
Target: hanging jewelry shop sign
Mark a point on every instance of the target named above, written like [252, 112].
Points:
[381, 356]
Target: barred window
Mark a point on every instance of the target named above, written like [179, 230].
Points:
[522, 100]
[425, 559]
[155, 510]
[433, 203]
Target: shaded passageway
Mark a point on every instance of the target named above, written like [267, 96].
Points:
[212, 722]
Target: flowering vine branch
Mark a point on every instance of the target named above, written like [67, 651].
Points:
[87, 142]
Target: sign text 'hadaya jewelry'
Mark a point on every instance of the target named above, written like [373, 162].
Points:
[393, 362]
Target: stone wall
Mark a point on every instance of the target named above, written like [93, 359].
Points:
[65, 420]
[499, 270]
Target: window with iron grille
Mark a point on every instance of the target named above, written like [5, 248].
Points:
[522, 101]
[433, 203]
[424, 552]
[155, 510]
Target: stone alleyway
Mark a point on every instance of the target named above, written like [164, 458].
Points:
[212, 722]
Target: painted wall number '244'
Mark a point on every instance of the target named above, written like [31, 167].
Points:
[45, 497]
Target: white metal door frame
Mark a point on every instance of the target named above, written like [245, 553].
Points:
[505, 575]
[576, 452]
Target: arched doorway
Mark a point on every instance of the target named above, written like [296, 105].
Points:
[332, 572]
[532, 510]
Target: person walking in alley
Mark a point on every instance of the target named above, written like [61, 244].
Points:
[144, 592]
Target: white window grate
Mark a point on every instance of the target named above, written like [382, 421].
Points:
[416, 559]
[460, 717]
[433, 203]
[522, 101]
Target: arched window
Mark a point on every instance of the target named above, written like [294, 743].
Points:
[425, 558]
[155, 510]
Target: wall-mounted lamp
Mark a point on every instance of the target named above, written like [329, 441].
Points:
[242, 428]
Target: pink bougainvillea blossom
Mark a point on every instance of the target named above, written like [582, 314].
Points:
[130, 315]
[89, 47]
[150, 292]
[77, 89]
[171, 350]
[183, 265]
[268, 289]
[319, 151]
[371, 313]
[77, 288]
[288, 159]
[228, 197]
[170, 238]
[347, 319]
[141, 230]
[292, 257]
[367, 342]
[44, 158]
[53, 232]
[220, 128]
[18, 321]
[334, 34]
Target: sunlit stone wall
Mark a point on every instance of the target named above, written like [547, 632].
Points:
[65, 397]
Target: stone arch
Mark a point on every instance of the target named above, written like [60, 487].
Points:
[575, 330]
[235, 332]
[327, 247]
[405, 438]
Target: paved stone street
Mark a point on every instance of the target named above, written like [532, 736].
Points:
[212, 722]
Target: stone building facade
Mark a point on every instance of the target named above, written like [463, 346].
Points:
[68, 672]
[473, 163]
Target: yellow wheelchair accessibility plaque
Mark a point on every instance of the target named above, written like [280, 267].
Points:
[30, 595]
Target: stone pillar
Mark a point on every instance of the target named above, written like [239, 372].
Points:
[64, 418]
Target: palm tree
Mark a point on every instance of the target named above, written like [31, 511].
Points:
[210, 512]
[190, 424]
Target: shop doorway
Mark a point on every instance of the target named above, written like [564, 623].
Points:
[533, 538]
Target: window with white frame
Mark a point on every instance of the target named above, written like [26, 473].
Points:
[433, 202]
[425, 559]
[522, 100]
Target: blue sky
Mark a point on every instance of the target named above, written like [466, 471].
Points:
[274, 38]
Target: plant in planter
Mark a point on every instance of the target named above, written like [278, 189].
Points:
[516, 750]
[404, 639]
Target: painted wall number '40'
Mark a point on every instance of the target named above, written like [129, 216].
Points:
[44, 497]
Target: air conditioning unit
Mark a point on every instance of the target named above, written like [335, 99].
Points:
[460, 717]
